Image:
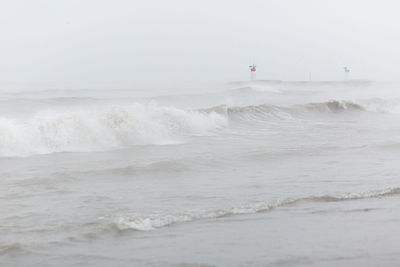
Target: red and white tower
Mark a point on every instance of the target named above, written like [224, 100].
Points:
[253, 69]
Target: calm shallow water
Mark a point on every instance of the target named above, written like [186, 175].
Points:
[262, 174]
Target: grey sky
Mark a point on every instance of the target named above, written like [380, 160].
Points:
[177, 42]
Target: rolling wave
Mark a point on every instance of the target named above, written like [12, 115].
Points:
[119, 126]
[158, 221]
[319, 108]
[107, 128]
[104, 224]
[332, 106]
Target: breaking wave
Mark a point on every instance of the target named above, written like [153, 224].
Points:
[143, 124]
[107, 128]
[158, 221]
[291, 111]
[333, 106]
[265, 111]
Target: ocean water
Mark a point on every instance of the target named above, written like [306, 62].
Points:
[247, 174]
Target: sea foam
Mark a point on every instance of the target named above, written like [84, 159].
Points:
[146, 223]
[106, 128]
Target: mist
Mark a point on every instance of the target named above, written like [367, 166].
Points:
[166, 44]
[134, 133]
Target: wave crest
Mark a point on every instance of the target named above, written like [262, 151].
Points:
[158, 221]
[107, 128]
[335, 106]
[140, 124]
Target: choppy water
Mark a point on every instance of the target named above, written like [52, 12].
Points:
[260, 174]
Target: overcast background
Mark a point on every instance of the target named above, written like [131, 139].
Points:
[157, 43]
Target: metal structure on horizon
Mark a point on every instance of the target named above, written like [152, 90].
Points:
[346, 73]
[253, 69]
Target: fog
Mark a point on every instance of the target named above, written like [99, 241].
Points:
[131, 44]
[130, 134]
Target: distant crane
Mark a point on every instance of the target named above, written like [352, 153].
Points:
[253, 69]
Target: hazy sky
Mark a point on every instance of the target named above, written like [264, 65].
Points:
[177, 42]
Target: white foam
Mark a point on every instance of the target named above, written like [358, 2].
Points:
[106, 128]
[381, 105]
[157, 221]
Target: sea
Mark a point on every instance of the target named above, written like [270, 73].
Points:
[263, 173]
